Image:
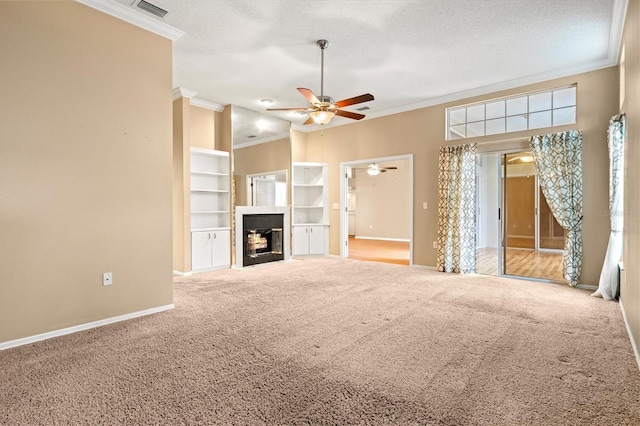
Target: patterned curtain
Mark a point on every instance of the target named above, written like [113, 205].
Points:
[608, 285]
[457, 209]
[558, 160]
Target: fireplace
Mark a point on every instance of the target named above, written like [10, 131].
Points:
[263, 241]
[261, 235]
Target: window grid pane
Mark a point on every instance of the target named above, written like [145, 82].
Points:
[531, 111]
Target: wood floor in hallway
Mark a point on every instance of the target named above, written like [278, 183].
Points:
[379, 250]
[522, 262]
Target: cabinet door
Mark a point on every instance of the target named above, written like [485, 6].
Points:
[201, 250]
[316, 239]
[300, 240]
[221, 254]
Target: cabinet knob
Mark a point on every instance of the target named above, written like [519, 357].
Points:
[209, 235]
[214, 236]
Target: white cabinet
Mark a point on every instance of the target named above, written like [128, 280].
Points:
[210, 250]
[309, 240]
[210, 209]
[310, 208]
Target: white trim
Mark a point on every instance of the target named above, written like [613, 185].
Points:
[344, 228]
[207, 151]
[133, 17]
[82, 327]
[400, 240]
[261, 141]
[206, 104]
[617, 26]
[181, 92]
[182, 274]
[587, 287]
[633, 342]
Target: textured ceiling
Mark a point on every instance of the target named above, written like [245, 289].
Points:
[408, 54]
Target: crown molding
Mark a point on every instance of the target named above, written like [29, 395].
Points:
[181, 92]
[618, 16]
[129, 15]
[261, 141]
[207, 105]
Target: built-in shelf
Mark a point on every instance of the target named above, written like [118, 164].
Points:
[309, 213]
[211, 190]
[210, 209]
[208, 174]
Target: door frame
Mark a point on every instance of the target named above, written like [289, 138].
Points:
[249, 178]
[344, 193]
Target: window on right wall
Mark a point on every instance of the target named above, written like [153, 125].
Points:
[534, 110]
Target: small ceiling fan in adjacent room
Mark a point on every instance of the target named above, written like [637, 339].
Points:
[374, 169]
[323, 108]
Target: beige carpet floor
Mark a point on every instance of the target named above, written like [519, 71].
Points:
[338, 342]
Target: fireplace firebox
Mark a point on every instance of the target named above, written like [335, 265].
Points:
[263, 238]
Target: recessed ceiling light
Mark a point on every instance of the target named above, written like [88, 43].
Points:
[266, 101]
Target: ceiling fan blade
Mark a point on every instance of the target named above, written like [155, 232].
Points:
[349, 114]
[289, 109]
[356, 100]
[309, 95]
[309, 121]
[389, 168]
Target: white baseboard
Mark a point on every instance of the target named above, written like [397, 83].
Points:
[82, 327]
[587, 287]
[182, 274]
[633, 342]
[400, 240]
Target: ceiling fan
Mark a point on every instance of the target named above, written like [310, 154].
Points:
[323, 108]
[374, 169]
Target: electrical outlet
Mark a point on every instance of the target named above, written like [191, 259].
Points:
[435, 244]
[107, 278]
[425, 205]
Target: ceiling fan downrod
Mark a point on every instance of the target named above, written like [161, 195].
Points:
[322, 44]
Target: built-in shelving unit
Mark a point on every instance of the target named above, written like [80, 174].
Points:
[210, 209]
[310, 208]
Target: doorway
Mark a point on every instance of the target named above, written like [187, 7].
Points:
[376, 204]
[517, 233]
[267, 189]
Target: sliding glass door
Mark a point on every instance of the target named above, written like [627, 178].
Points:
[517, 233]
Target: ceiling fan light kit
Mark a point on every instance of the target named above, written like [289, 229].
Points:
[321, 117]
[322, 108]
[373, 170]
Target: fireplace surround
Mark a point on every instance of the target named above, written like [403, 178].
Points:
[262, 235]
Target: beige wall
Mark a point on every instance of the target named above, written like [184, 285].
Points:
[630, 291]
[422, 131]
[85, 173]
[202, 124]
[265, 157]
[383, 202]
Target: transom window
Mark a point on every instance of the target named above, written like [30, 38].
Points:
[536, 110]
